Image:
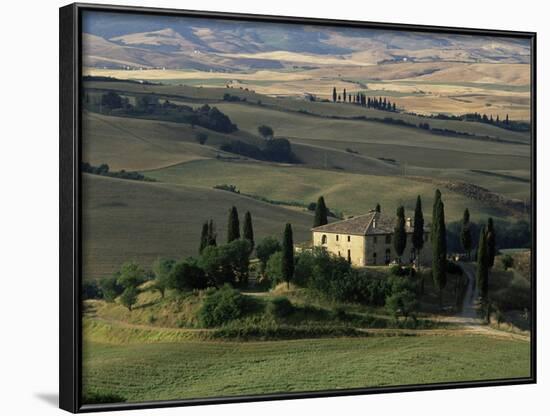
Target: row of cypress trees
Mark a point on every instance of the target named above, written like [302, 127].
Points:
[208, 232]
[208, 238]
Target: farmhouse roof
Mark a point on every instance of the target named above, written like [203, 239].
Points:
[372, 223]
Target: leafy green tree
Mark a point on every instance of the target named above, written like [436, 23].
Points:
[129, 297]
[239, 253]
[439, 248]
[482, 275]
[110, 288]
[233, 229]
[288, 255]
[217, 264]
[248, 231]
[186, 275]
[466, 233]
[321, 217]
[265, 131]
[228, 263]
[274, 268]
[399, 238]
[265, 250]
[161, 270]
[491, 242]
[131, 275]
[204, 237]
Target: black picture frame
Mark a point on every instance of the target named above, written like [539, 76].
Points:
[70, 204]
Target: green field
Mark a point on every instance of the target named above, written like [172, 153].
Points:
[353, 164]
[132, 220]
[306, 185]
[191, 369]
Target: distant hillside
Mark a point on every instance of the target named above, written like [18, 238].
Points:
[154, 219]
[193, 43]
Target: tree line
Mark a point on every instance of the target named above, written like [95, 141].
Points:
[380, 103]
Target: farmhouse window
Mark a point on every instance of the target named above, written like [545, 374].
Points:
[349, 238]
[337, 237]
[349, 256]
[374, 240]
[324, 239]
[388, 239]
[388, 256]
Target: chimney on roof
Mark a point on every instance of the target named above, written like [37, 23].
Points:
[409, 222]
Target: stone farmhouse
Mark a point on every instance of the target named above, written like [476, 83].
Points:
[366, 240]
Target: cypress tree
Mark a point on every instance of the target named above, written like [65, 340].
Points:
[393, 107]
[439, 247]
[418, 235]
[211, 233]
[248, 231]
[482, 275]
[466, 233]
[288, 255]
[491, 242]
[437, 198]
[233, 231]
[418, 232]
[378, 208]
[334, 94]
[399, 233]
[204, 237]
[320, 213]
[344, 95]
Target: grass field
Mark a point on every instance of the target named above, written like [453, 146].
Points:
[306, 185]
[132, 220]
[191, 369]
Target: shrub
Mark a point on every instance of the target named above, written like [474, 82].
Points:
[280, 307]
[91, 290]
[453, 268]
[265, 131]
[402, 299]
[222, 306]
[507, 261]
[398, 270]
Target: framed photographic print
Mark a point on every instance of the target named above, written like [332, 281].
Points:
[261, 207]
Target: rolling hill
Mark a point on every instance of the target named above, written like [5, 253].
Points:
[127, 220]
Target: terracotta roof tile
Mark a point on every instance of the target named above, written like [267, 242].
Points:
[367, 224]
